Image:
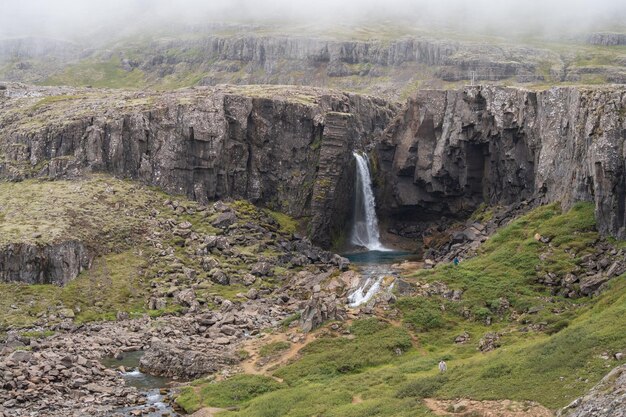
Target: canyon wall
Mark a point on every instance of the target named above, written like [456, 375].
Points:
[207, 143]
[290, 148]
[449, 151]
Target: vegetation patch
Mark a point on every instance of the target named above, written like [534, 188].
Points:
[551, 367]
[230, 392]
[273, 348]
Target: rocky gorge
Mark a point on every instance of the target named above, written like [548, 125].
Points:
[445, 152]
[192, 221]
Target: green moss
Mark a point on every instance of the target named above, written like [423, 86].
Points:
[46, 101]
[287, 224]
[38, 334]
[482, 214]
[294, 317]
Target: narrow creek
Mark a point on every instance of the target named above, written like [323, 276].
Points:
[149, 386]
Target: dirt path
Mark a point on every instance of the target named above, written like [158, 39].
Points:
[501, 408]
[257, 365]
[207, 412]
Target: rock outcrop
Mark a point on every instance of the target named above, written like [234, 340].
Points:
[55, 263]
[607, 399]
[168, 360]
[450, 151]
[607, 39]
[254, 143]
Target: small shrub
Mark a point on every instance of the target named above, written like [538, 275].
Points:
[557, 327]
[496, 371]
[423, 315]
[422, 388]
[367, 327]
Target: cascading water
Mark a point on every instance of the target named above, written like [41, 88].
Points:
[365, 229]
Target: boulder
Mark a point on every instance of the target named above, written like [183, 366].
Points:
[167, 360]
[186, 297]
[225, 219]
[591, 284]
[21, 356]
[489, 341]
[261, 269]
[219, 277]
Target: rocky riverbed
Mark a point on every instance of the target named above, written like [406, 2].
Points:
[58, 370]
[61, 375]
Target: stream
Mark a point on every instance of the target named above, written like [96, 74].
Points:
[148, 385]
[374, 266]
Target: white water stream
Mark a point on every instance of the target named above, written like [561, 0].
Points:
[365, 231]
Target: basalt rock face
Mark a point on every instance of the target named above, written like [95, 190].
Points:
[450, 151]
[55, 263]
[311, 60]
[205, 143]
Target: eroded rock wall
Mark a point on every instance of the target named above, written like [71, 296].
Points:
[449, 151]
[54, 263]
[208, 144]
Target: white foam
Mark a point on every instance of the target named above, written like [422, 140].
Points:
[365, 292]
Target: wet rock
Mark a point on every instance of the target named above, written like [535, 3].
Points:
[342, 263]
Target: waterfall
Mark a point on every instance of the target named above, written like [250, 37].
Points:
[365, 230]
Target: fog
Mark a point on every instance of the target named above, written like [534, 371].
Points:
[81, 19]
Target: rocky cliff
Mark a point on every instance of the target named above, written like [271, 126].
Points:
[289, 149]
[43, 264]
[255, 143]
[449, 151]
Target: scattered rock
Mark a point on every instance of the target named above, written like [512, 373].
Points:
[489, 342]
[462, 338]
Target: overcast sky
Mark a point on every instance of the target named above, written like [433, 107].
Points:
[79, 18]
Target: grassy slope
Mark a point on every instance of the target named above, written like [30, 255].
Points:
[551, 367]
[113, 217]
